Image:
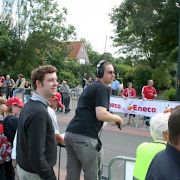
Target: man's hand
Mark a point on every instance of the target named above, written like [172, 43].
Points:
[14, 163]
[119, 122]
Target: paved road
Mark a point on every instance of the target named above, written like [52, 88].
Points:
[115, 142]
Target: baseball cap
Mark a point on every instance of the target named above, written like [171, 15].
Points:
[14, 101]
[57, 97]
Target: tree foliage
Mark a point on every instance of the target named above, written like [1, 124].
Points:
[35, 32]
[147, 30]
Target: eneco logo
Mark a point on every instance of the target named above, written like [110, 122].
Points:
[144, 109]
[114, 105]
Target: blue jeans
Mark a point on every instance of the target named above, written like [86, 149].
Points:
[18, 90]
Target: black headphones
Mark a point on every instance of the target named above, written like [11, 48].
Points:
[100, 69]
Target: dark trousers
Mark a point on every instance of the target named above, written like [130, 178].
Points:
[66, 101]
[1, 91]
[7, 171]
[9, 92]
[115, 92]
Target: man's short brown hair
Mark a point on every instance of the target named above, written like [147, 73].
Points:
[174, 127]
[40, 72]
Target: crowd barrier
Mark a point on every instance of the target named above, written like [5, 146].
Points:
[59, 160]
[127, 165]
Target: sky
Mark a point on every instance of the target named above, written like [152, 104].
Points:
[91, 20]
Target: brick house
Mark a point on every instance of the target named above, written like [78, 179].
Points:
[77, 51]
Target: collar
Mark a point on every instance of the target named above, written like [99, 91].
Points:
[37, 97]
[173, 153]
[161, 141]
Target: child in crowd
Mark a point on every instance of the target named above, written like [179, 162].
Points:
[14, 106]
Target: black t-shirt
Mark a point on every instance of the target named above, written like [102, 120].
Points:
[85, 122]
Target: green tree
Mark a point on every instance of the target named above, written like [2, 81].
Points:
[40, 30]
[147, 30]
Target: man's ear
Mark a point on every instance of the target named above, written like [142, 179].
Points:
[166, 135]
[38, 83]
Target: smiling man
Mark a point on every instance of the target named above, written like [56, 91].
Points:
[36, 145]
[81, 138]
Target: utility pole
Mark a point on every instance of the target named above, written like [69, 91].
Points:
[178, 62]
[105, 44]
[18, 13]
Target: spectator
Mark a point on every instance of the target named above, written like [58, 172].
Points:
[2, 78]
[8, 86]
[81, 138]
[5, 146]
[129, 92]
[58, 136]
[14, 105]
[115, 85]
[84, 80]
[19, 86]
[54, 104]
[3, 108]
[165, 164]
[147, 150]
[88, 82]
[65, 90]
[27, 91]
[148, 93]
[36, 145]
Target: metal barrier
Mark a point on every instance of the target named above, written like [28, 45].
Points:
[74, 97]
[128, 167]
[59, 161]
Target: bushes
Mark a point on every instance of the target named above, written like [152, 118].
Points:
[170, 94]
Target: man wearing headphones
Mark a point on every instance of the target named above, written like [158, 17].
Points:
[81, 138]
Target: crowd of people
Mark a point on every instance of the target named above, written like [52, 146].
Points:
[30, 132]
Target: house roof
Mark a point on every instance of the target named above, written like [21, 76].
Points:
[74, 48]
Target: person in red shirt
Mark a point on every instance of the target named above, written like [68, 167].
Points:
[148, 93]
[129, 92]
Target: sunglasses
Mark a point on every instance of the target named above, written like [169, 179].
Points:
[110, 72]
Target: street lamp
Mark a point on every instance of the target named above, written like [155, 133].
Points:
[178, 67]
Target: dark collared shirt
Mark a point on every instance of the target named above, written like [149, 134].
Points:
[165, 165]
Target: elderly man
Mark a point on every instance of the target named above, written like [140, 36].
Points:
[65, 91]
[147, 150]
[165, 164]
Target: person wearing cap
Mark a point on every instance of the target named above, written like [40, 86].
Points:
[55, 103]
[36, 145]
[14, 106]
